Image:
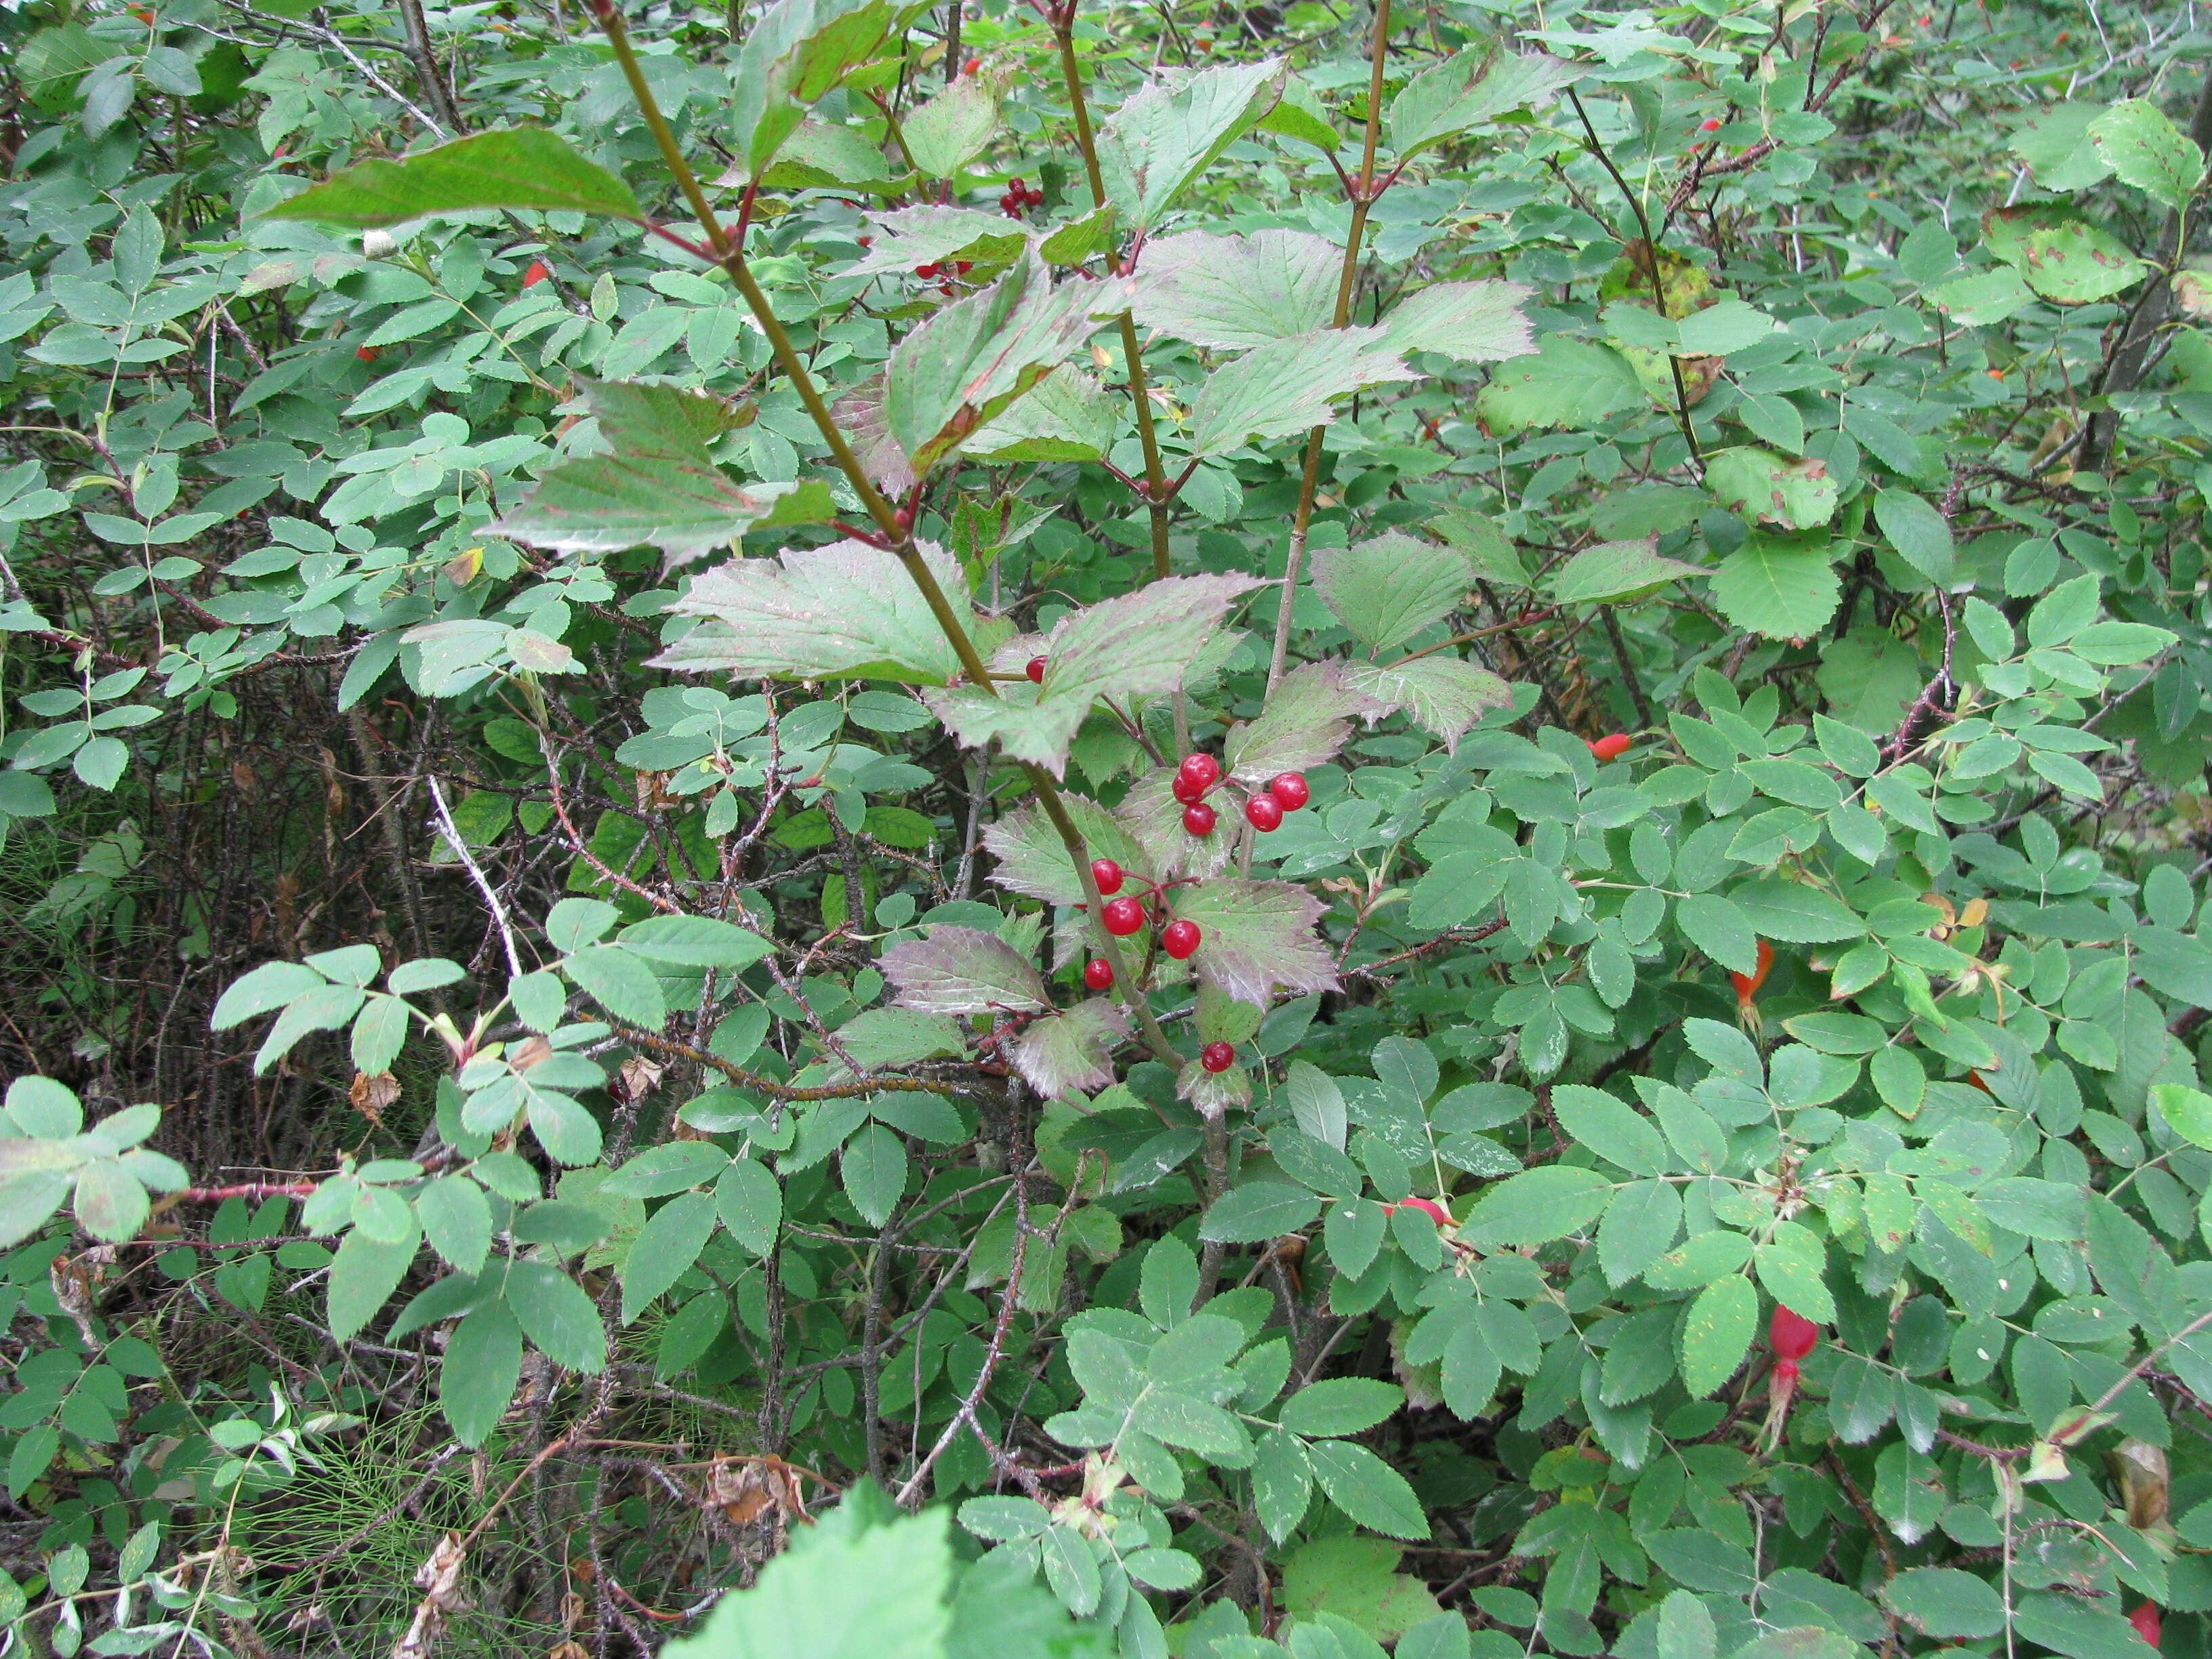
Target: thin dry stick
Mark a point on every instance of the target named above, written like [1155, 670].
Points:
[445, 828]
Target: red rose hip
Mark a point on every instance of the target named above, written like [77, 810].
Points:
[536, 274]
[1791, 1335]
[1216, 1056]
[1179, 939]
[1611, 747]
[1427, 1206]
[1123, 917]
[1263, 814]
[1098, 974]
[2146, 1620]
[1107, 874]
[1199, 818]
[1291, 790]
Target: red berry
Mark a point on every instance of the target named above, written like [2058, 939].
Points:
[963, 266]
[1107, 874]
[1122, 916]
[1613, 747]
[2145, 1620]
[1746, 985]
[1098, 972]
[1034, 196]
[1035, 669]
[1179, 939]
[1217, 1056]
[366, 354]
[1791, 1335]
[1015, 186]
[536, 274]
[1185, 790]
[1263, 812]
[925, 270]
[971, 66]
[1290, 789]
[1198, 818]
[1201, 770]
[1711, 124]
[1428, 1207]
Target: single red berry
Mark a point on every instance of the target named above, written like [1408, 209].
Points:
[1198, 818]
[1185, 790]
[1611, 747]
[1034, 197]
[2146, 1621]
[1200, 768]
[1098, 974]
[1107, 874]
[536, 274]
[1791, 1335]
[971, 66]
[1015, 186]
[1217, 1056]
[945, 289]
[1746, 985]
[1290, 788]
[925, 270]
[1179, 939]
[963, 266]
[1122, 916]
[366, 354]
[1711, 124]
[1263, 814]
[1035, 669]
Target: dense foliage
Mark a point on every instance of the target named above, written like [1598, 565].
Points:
[1079, 830]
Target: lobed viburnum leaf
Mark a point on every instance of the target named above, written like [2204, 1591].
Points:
[794, 54]
[1172, 129]
[1472, 85]
[1440, 693]
[963, 971]
[659, 486]
[1472, 322]
[1150, 812]
[1064, 1052]
[845, 609]
[1389, 587]
[1288, 384]
[1068, 415]
[1257, 936]
[925, 235]
[1307, 720]
[1135, 645]
[1232, 292]
[524, 167]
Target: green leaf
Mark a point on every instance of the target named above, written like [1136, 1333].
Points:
[272, 984]
[619, 982]
[1717, 926]
[1611, 1128]
[1536, 1207]
[2187, 1112]
[1065, 417]
[1357, 1579]
[1921, 535]
[556, 1315]
[1231, 292]
[456, 1219]
[1797, 494]
[2058, 148]
[111, 1204]
[659, 486]
[519, 167]
[1368, 1490]
[1287, 385]
[751, 1204]
[1307, 720]
[793, 55]
[482, 1364]
[1340, 1406]
[664, 1249]
[363, 1275]
[1716, 1333]
[2066, 260]
[875, 1170]
[1468, 322]
[1792, 1276]
[1473, 85]
[1073, 1050]
[846, 608]
[1441, 693]
[1565, 382]
[1136, 645]
[1617, 570]
[1782, 589]
[2143, 148]
[1944, 1601]
[1258, 1211]
[963, 971]
[1164, 137]
[694, 942]
[952, 129]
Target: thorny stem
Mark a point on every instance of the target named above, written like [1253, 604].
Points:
[1658, 284]
[897, 536]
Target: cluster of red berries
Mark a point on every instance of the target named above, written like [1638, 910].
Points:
[1019, 198]
[1124, 916]
[1263, 808]
[948, 269]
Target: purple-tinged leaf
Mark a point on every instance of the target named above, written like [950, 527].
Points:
[1213, 1092]
[1070, 1051]
[1306, 721]
[963, 971]
[1440, 694]
[1255, 936]
[1032, 860]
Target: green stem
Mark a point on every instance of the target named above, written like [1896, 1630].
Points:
[898, 534]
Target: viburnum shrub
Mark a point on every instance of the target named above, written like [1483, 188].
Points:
[1677, 535]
